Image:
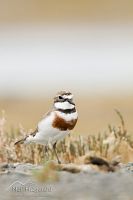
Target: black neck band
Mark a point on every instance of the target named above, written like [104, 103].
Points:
[67, 111]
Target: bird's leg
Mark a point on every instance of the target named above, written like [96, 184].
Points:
[55, 152]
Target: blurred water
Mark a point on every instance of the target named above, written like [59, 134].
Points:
[44, 58]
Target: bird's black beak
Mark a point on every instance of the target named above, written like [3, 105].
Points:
[71, 101]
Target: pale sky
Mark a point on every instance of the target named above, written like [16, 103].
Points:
[86, 58]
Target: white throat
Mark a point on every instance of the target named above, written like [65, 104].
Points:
[63, 105]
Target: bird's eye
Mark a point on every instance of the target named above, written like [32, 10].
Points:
[60, 97]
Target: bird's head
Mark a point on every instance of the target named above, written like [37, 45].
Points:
[64, 100]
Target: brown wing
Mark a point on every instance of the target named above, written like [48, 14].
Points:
[23, 140]
[34, 132]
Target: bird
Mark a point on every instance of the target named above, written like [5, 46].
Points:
[56, 123]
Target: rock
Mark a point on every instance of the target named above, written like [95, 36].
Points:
[84, 185]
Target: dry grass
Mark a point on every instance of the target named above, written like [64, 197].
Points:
[117, 141]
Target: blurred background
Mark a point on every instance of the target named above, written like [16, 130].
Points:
[85, 46]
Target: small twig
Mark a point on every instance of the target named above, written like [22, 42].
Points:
[122, 122]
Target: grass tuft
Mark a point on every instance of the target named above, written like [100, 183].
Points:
[115, 142]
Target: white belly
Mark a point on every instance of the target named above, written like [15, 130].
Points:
[46, 133]
[50, 136]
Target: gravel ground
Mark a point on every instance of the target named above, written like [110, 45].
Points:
[15, 183]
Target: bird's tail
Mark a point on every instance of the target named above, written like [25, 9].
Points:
[20, 141]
